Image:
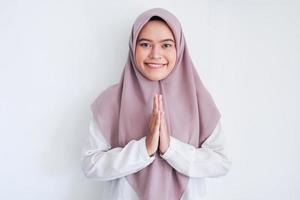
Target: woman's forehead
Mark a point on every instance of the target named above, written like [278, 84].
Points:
[157, 30]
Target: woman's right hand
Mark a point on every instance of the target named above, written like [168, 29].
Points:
[152, 138]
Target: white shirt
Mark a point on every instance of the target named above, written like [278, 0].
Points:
[100, 162]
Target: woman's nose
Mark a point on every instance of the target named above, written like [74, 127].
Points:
[155, 52]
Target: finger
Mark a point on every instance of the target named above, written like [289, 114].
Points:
[160, 103]
[154, 103]
[153, 117]
[151, 120]
[157, 124]
[153, 123]
[164, 122]
[162, 118]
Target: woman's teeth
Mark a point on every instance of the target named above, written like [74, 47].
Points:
[151, 65]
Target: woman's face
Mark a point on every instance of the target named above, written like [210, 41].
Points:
[155, 53]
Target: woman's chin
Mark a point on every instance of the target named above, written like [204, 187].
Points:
[155, 76]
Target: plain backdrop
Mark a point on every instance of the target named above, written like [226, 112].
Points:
[57, 56]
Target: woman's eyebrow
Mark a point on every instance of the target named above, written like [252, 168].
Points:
[164, 40]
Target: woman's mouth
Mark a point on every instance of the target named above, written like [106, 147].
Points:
[155, 65]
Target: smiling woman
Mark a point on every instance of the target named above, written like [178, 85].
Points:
[155, 53]
[157, 133]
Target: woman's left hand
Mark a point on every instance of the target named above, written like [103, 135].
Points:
[164, 138]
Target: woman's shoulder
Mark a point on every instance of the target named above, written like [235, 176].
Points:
[109, 92]
[107, 96]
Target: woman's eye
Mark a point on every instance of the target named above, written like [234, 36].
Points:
[167, 45]
[144, 44]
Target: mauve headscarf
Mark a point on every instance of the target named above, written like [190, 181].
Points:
[123, 111]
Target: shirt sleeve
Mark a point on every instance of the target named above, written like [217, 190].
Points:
[101, 162]
[211, 160]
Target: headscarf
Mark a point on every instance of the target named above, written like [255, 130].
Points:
[123, 111]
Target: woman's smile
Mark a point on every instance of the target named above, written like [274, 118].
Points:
[155, 65]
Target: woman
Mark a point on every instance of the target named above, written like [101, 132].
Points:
[157, 133]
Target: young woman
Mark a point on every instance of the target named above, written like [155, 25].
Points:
[157, 133]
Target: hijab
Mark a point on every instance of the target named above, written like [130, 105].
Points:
[123, 111]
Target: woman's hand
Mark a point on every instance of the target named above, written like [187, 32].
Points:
[152, 138]
[164, 138]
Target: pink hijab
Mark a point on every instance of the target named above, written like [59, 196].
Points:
[123, 111]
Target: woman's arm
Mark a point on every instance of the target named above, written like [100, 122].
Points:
[210, 160]
[99, 161]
